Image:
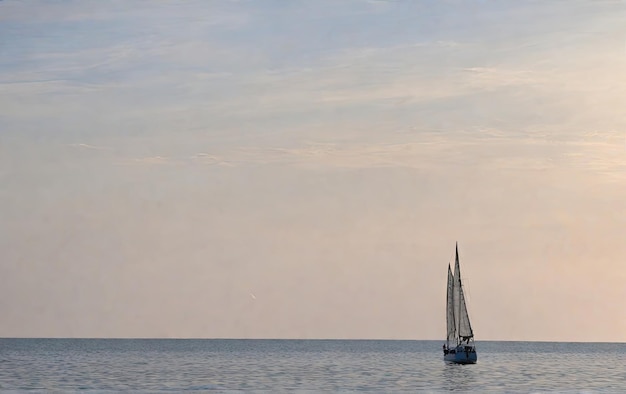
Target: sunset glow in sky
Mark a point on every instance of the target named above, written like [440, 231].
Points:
[303, 169]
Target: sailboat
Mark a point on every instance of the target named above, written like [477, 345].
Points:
[459, 347]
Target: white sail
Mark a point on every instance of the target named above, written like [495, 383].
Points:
[463, 327]
[450, 310]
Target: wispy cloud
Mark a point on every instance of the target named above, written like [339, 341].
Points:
[208, 159]
[196, 159]
[151, 160]
[87, 146]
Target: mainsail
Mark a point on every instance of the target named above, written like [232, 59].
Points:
[462, 323]
[450, 310]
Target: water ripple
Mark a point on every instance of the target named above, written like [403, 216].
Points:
[93, 365]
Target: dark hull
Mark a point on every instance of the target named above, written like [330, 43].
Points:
[461, 357]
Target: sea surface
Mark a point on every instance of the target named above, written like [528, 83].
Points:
[216, 365]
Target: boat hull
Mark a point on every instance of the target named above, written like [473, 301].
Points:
[461, 357]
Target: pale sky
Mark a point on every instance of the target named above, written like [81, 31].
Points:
[303, 169]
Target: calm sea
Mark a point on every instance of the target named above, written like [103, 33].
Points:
[150, 365]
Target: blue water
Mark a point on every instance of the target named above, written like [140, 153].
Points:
[149, 365]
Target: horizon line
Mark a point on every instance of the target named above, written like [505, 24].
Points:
[304, 339]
